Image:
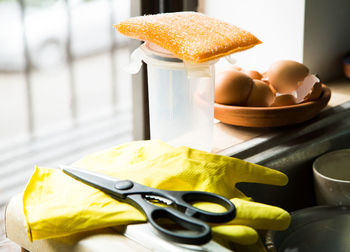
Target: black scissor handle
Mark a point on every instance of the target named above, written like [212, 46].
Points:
[201, 234]
[185, 199]
[202, 231]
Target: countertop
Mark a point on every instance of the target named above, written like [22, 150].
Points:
[226, 137]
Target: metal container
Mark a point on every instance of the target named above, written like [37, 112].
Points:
[332, 178]
[314, 229]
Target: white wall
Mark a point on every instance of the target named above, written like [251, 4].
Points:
[326, 36]
[279, 24]
[315, 32]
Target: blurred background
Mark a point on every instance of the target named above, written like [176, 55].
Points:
[63, 90]
[59, 64]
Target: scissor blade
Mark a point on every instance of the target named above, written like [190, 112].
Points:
[158, 199]
[94, 179]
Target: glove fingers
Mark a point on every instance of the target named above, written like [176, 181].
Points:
[232, 170]
[260, 216]
[236, 233]
[244, 171]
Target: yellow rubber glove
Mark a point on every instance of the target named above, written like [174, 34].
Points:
[57, 205]
[249, 216]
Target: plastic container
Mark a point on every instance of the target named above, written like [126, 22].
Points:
[181, 98]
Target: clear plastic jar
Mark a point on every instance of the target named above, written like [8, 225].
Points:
[181, 98]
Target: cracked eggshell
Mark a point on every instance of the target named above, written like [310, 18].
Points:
[232, 87]
[314, 93]
[261, 95]
[306, 86]
[284, 75]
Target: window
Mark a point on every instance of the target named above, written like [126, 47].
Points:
[63, 91]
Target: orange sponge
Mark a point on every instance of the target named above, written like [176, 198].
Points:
[190, 36]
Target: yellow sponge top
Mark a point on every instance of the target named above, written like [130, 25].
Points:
[190, 36]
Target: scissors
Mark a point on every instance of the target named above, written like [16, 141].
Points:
[192, 220]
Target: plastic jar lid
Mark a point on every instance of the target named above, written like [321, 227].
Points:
[158, 56]
[157, 52]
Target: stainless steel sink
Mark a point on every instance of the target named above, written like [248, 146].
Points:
[292, 150]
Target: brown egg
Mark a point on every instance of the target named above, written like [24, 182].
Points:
[261, 95]
[232, 67]
[314, 93]
[232, 87]
[272, 89]
[284, 100]
[255, 75]
[270, 86]
[284, 75]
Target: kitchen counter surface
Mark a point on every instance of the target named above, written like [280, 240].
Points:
[226, 136]
[226, 139]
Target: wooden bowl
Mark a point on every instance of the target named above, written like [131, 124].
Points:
[271, 116]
